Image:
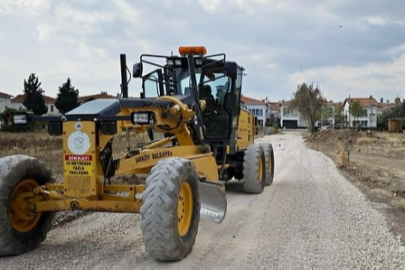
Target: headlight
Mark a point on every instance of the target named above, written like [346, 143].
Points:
[20, 119]
[177, 62]
[142, 118]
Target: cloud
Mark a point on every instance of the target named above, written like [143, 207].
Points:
[29, 7]
[91, 52]
[396, 50]
[67, 13]
[130, 13]
[210, 5]
[377, 78]
[344, 45]
[376, 20]
[45, 31]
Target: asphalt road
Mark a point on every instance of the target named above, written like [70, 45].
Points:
[310, 217]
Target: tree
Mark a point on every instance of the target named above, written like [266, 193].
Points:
[326, 114]
[396, 112]
[309, 102]
[67, 97]
[356, 109]
[33, 96]
[339, 116]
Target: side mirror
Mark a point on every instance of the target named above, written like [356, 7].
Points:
[229, 101]
[230, 69]
[137, 70]
[142, 95]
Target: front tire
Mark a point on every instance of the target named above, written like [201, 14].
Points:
[21, 230]
[254, 169]
[269, 153]
[171, 209]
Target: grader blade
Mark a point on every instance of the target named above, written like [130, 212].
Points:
[213, 201]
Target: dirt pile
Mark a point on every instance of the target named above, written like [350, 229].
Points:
[331, 137]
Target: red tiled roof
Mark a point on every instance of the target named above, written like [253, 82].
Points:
[386, 106]
[365, 102]
[330, 102]
[97, 96]
[4, 95]
[20, 99]
[274, 106]
[251, 101]
[49, 99]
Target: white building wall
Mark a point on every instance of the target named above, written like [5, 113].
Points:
[370, 119]
[50, 106]
[259, 111]
[16, 105]
[4, 102]
[291, 115]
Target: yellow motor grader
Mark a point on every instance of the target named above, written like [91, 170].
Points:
[194, 100]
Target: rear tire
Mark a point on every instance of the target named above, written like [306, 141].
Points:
[254, 169]
[20, 174]
[171, 209]
[269, 153]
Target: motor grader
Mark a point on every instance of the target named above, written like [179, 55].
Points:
[194, 100]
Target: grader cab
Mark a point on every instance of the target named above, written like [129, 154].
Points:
[194, 100]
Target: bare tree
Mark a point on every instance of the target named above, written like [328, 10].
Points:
[309, 102]
[356, 110]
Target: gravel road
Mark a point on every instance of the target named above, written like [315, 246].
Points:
[311, 217]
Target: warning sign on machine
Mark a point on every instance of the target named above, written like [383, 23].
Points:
[78, 165]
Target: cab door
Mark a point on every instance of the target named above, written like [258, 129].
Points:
[215, 90]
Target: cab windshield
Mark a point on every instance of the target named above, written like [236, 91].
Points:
[173, 82]
[182, 75]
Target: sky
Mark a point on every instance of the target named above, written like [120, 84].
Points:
[346, 47]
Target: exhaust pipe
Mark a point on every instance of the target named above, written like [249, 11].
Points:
[124, 79]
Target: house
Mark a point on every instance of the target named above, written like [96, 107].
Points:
[5, 101]
[293, 118]
[17, 103]
[84, 99]
[290, 118]
[387, 105]
[328, 114]
[274, 112]
[369, 116]
[257, 108]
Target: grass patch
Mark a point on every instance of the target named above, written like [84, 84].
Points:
[49, 149]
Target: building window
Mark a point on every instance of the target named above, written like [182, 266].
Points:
[51, 108]
[330, 111]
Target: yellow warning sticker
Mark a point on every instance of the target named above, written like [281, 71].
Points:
[78, 165]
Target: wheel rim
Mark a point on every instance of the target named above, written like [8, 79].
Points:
[185, 208]
[260, 168]
[20, 216]
[270, 167]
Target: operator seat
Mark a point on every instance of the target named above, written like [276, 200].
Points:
[206, 94]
